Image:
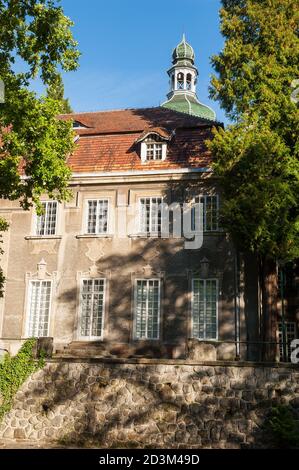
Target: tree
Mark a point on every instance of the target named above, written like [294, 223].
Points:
[33, 141]
[256, 158]
[56, 92]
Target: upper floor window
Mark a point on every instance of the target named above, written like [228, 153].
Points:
[153, 148]
[46, 223]
[97, 216]
[150, 215]
[210, 212]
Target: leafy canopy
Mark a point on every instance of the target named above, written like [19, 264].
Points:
[256, 158]
[35, 36]
[56, 92]
[35, 42]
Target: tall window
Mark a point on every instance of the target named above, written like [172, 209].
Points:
[92, 308]
[39, 308]
[150, 215]
[290, 334]
[97, 216]
[46, 223]
[204, 308]
[210, 213]
[147, 308]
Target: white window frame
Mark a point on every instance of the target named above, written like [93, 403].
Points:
[38, 217]
[146, 338]
[217, 308]
[205, 196]
[91, 337]
[28, 309]
[144, 151]
[150, 232]
[97, 221]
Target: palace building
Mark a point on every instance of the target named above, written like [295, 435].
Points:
[98, 274]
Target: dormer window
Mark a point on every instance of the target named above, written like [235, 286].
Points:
[153, 144]
[78, 125]
[153, 148]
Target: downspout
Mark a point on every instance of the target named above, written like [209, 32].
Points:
[237, 304]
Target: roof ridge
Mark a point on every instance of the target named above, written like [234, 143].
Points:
[108, 111]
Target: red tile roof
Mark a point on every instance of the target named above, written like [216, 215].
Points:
[108, 143]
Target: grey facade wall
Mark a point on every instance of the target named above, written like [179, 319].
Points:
[70, 257]
[150, 404]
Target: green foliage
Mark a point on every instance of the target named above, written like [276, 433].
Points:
[32, 140]
[257, 157]
[3, 228]
[14, 371]
[283, 426]
[56, 92]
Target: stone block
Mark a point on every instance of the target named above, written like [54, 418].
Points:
[200, 351]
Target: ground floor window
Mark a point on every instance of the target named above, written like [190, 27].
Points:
[204, 308]
[290, 335]
[92, 295]
[39, 308]
[147, 308]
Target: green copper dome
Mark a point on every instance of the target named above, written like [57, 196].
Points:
[184, 103]
[183, 51]
[183, 77]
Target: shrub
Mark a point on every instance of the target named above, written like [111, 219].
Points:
[283, 425]
[14, 370]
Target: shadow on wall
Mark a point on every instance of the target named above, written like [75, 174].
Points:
[129, 405]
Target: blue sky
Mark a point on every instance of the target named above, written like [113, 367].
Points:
[126, 48]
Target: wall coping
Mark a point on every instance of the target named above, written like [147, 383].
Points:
[175, 362]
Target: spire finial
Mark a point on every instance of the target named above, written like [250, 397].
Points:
[183, 39]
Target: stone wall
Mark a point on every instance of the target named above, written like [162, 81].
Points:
[150, 403]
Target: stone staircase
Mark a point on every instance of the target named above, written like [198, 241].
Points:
[83, 349]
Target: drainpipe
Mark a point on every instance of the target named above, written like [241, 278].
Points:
[237, 304]
[283, 324]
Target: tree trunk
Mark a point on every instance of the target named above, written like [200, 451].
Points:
[269, 287]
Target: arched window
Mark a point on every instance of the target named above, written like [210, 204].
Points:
[188, 81]
[180, 81]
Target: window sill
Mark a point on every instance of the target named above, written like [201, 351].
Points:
[95, 235]
[43, 237]
[148, 235]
